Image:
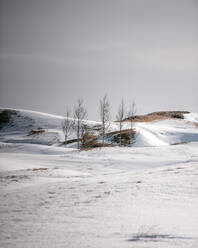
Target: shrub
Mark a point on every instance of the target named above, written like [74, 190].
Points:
[69, 141]
[127, 137]
[89, 140]
[5, 117]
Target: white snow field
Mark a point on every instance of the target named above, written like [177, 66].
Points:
[115, 197]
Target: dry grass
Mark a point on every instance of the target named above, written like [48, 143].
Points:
[131, 131]
[180, 143]
[39, 169]
[17, 178]
[156, 116]
[127, 136]
[90, 141]
[39, 131]
[149, 118]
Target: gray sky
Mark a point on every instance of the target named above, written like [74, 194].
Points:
[54, 51]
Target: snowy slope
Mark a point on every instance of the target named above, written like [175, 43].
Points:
[191, 117]
[117, 197]
[24, 121]
[165, 132]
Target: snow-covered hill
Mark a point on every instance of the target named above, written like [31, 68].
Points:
[24, 126]
[142, 196]
[23, 123]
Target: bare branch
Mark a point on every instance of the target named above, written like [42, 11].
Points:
[131, 113]
[80, 113]
[120, 118]
[104, 115]
[66, 125]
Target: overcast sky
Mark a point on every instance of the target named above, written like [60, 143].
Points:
[53, 52]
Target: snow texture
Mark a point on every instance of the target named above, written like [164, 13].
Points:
[142, 196]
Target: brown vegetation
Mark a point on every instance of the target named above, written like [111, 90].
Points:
[126, 136]
[180, 143]
[39, 131]
[90, 141]
[131, 131]
[40, 169]
[155, 116]
[70, 141]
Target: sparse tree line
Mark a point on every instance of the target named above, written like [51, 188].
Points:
[77, 122]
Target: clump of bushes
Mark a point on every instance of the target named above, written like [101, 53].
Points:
[127, 137]
[90, 141]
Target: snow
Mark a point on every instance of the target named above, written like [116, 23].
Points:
[191, 117]
[166, 132]
[143, 196]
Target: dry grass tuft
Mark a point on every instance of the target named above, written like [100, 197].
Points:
[180, 143]
[39, 169]
[39, 131]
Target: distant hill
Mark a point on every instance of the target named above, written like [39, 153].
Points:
[154, 129]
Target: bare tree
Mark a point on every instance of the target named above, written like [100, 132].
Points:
[120, 118]
[80, 113]
[66, 125]
[104, 115]
[131, 113]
